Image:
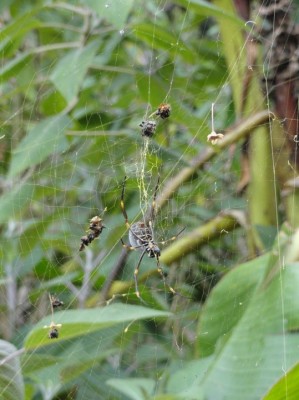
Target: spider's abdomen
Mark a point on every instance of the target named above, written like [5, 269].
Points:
[140, 234]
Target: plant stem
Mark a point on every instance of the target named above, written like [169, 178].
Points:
[220, 225]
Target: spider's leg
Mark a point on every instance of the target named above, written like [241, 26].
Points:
[115, 296]
[126, 246]
[173, 237]
[171, 289]
[161, 272]
[135, 278]
[136, 273]
[122, 204]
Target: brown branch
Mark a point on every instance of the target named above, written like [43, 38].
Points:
[243, 129]
[220, 225]
[11, 356]
[287, 109]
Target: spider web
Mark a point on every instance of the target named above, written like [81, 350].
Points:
[84, 177]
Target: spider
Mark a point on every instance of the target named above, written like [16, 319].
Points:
[141, 236]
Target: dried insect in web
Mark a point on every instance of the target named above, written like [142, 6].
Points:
[53, 328]
[164, 110]
[148, 127]
[141, 236]
[95, 229]
[55, 302]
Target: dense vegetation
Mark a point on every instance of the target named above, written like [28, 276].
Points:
[77, 80]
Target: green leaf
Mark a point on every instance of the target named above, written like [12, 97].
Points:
[60, 280]
[171, 397]
[163, 40]
[115, 12]
[19, 25]
[241, 282]
[76, 368]
[9, 47]
[184, 378]
[204, 8]
[252, 356]
[53, 103]
[33, 362]
[10, 37]
[14, 202]
[82, 322]
[287, 387]
[11, 68]
[34, 234]
[44, 139]
[70, 71]
[62, 369]
[65, 363]
[267, 235]
[11, 380]
[134, 388]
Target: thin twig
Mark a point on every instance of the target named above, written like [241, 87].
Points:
[88, 268]
[12, 355]
[122, 132]
[70, 7]
[62, 27]
[86, 28]
[220, 225]
[55, 46]
[112, 68]
[70, 106]
[113, 274]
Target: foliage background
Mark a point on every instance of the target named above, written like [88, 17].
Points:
[76, 80]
